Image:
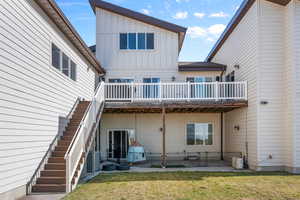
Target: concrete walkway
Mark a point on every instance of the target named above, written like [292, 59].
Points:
[192, 169]
[44, 197]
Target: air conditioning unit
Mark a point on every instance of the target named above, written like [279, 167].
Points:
[237, 163]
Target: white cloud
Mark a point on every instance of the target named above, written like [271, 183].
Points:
[216, 29]
[69, 4]
[181, 15]
[196, 32]
[210, 33]
[219, 15]
[179, 1]
[145, 11]
[199, 15]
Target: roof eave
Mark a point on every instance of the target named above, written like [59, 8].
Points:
[181, 31]
[60, 20]
[242, 11]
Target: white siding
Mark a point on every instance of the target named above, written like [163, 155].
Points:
[297, 103]
[147, 128]
[270, 80]
[160, 62]
[289, 77]
[33, 94]
[241, 48]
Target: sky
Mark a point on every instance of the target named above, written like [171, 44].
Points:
[205, 20]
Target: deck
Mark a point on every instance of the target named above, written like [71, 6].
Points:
[211, 97]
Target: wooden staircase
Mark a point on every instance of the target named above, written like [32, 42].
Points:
[53, 177]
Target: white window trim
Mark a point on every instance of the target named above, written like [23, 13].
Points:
[136, 49]
[60, 70]
[200, 145]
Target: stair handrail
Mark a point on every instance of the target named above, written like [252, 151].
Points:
[78, 143]
[53, 143]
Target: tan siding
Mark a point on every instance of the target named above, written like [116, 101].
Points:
[271, 65]
[241, 48]
[33, 94]
[297, 83]
[160, 62]
[147, 128]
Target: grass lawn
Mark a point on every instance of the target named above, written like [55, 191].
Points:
[190, 186]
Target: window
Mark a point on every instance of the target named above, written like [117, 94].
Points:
[151, 91]
[73, 71]
[55, 57]
[150, 40]
[63, 63]
[141, 41]
[199, 134]
[199, 91]
[120, 80]
[133, 41]
[123, 40]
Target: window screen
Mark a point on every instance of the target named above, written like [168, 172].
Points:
[141, 41]
[150, 40]
[73, 71]
[55, 56]
[123, 40]
[132, 40]
[65, 64]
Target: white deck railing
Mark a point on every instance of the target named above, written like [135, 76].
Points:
[80, 143]
[175, 91]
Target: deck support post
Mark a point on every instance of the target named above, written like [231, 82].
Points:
[163, 163]
[222, 136]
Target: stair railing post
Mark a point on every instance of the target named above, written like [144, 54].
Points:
[68, 189]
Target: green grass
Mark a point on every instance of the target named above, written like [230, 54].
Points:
[190, 186]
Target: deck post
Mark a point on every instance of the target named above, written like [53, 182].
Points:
[163, 163]
[222, 137]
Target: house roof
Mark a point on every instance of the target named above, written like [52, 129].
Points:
[242, 11]
[141, 17]
[61, 21]
[200, 66]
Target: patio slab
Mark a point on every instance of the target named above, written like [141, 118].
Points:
[44, 197]
[192, 169]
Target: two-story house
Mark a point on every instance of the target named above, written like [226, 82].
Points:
[58, 121]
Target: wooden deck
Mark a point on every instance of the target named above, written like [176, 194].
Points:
[175, 107]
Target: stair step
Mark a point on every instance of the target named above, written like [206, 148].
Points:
[56, 160]
[55, 166]
[63, 143]
[49, 188]
[53, 173]
[51, 180]
[58, 153]
[67, 137]
[61, 148]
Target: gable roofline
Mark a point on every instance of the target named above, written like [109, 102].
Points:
[181, 31]
[60, 20]
[237, 18]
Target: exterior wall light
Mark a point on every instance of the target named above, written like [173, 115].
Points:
[173, 78]
[237, 127]
[237, 66]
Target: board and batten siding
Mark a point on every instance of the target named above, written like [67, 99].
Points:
[147, 130]
[33, 94]
[242, 48]
[160, 62]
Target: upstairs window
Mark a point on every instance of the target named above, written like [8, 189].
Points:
[55, 56]
[136, 41]
[63, 63]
